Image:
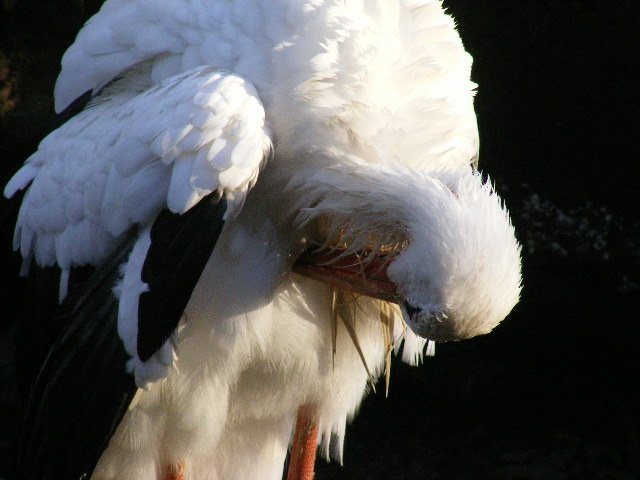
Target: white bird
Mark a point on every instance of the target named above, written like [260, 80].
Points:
[226, 145]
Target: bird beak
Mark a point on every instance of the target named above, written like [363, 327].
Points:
[349, 272]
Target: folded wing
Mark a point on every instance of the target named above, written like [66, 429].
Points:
[139, 186]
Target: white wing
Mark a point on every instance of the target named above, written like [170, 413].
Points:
[115, 165]
[418, 107]
[178, 35]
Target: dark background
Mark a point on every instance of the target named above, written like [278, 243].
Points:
[551, 393]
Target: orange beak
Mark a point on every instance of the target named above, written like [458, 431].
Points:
[349, 272]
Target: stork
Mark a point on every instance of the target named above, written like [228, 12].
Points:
[256, 204]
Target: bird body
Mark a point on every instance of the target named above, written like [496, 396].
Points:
[297, 125]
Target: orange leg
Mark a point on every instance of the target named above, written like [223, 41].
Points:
[175, 472]
[305, 443]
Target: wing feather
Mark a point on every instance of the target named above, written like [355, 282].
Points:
[82, 390]
[128, 160]
[180, 248]
[120, 162]
[173, 35]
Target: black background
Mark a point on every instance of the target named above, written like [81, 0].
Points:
[551, 393]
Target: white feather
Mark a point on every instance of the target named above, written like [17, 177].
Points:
[128, 183]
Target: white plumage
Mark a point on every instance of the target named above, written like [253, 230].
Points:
[367, 107]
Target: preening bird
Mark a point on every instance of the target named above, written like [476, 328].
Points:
[256, 203]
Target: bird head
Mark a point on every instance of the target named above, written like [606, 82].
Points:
[459, 274]
[452, 260]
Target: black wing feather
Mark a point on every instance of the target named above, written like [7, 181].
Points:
[180, 248]
[42, 319]
[83, 389]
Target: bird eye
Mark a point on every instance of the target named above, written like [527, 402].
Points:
[412, 310]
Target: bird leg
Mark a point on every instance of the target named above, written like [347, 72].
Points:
[305, 444]
[175, 472]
